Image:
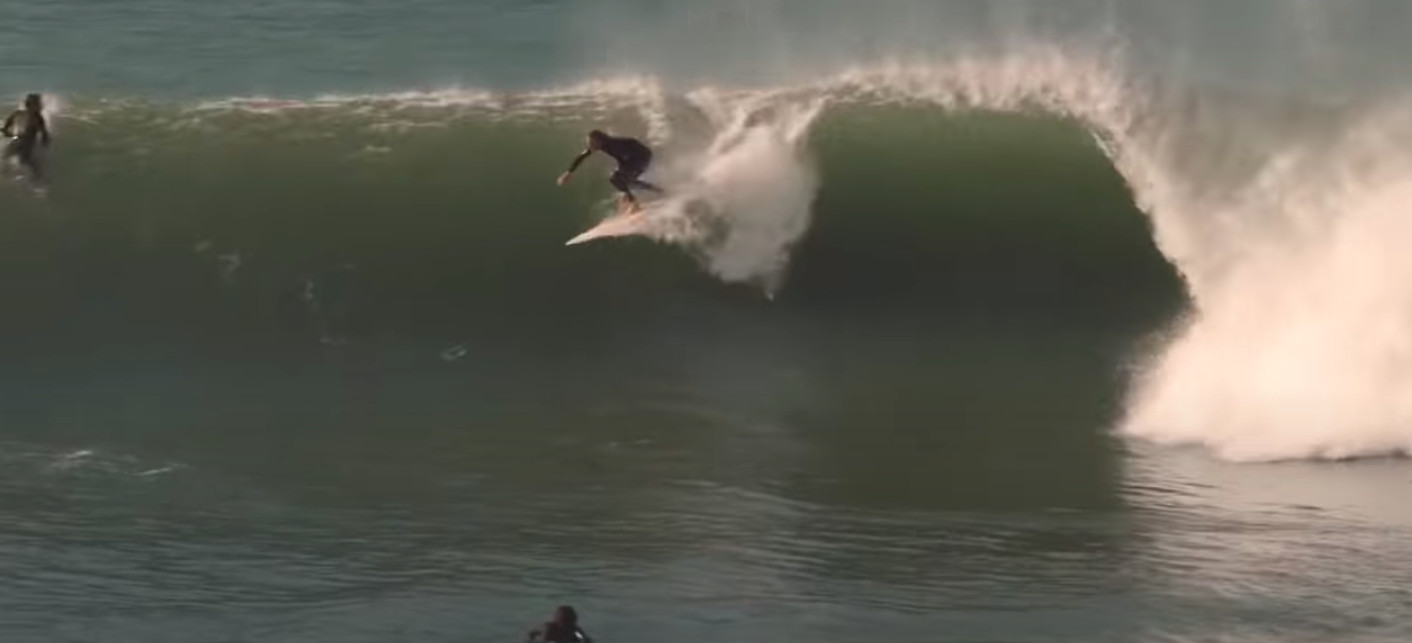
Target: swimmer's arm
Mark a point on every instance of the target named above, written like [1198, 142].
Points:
[43, 130]
[9, 125]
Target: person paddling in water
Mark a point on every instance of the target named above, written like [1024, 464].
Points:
[25, 128]
[563, 628]
[633, 158]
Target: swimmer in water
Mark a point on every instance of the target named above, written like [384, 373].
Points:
[563, 628]
[25, 129]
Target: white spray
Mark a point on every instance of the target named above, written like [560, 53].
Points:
[745, 199]
[1303, 346]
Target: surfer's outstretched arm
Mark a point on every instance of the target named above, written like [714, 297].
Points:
[578, 160]
[9, 128]
[43, 126]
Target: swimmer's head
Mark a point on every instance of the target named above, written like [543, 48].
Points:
[566, 615]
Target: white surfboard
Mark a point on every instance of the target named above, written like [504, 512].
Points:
[618, 225]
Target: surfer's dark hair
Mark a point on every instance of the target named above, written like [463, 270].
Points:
[566, 615]
[33, 99]
[598, 135]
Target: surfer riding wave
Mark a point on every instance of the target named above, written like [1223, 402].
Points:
[633, 159]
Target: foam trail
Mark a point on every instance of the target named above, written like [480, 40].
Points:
[745, 199]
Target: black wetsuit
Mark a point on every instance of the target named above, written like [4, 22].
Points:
[552, 632]
[633, 159]
[22, 143]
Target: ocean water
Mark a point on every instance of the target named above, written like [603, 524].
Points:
[1008, 321]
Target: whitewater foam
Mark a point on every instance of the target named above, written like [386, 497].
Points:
[745, 199]
[1303, 346]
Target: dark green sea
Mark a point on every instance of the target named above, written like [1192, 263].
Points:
[982, 321]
